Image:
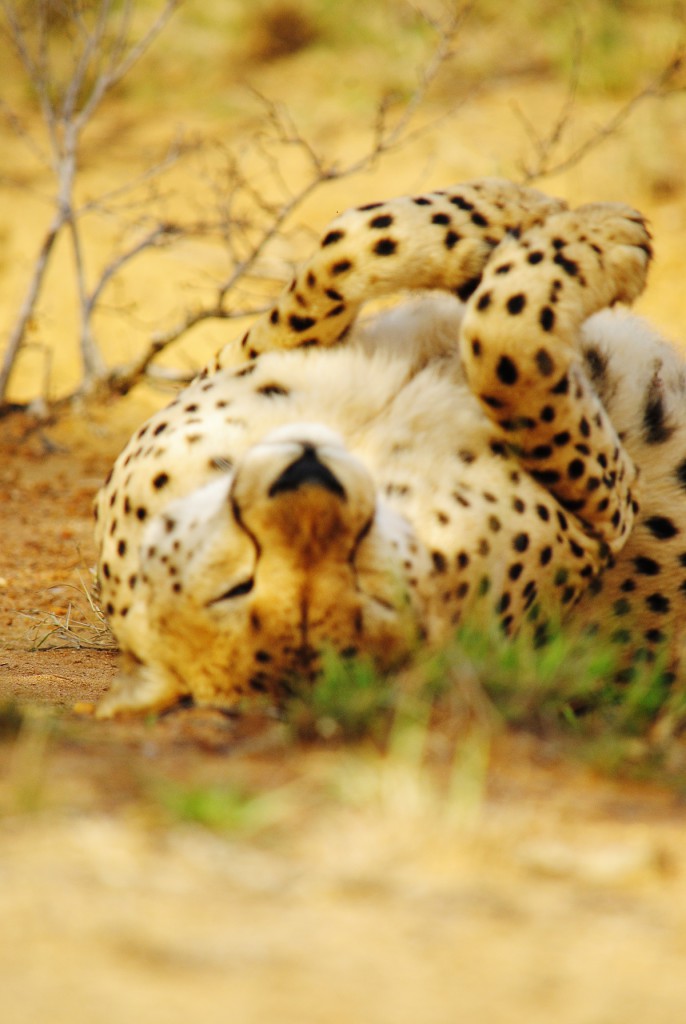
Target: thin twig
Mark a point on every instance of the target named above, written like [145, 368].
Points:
[545, 146]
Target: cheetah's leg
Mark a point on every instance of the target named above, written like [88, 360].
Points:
[520, 348]
[440, 240]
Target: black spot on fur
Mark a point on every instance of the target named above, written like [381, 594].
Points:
[646, 566]
[596, 363]
[547, 477]
[332, 237]
[658, 603]
[246, 371]
[340, 267]
[438, 559]
[656, 429]
[621, 607]
[160, 481]
[384, 220]
[301, 323]
[461, 204]
[546, 318]
[562, 386]
[269, 390]
[661, 527]
[507, 371]
[493, 402]
[516, 303]
[544, 362]
[450, 240]
[385, 247]
[467, 288]
[484, 301]
[535, 257]
[440, 218]
[569, 266]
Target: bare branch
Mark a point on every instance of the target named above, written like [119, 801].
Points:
[161, 234]
[28, 305]
[277, 127]
[545, 146]
[104, 51]
[123, 62]
[21, 132]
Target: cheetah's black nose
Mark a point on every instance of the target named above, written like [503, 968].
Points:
[307, 469]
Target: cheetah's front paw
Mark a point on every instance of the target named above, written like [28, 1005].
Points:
[620, 238]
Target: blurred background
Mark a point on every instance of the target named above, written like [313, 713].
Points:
[163, 167]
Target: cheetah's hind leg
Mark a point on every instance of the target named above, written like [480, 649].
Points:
[440, 240]
[520, 346]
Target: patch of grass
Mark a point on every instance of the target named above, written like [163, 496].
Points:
[350, 701]
[82, 626]
[572, 689]
[226, 808]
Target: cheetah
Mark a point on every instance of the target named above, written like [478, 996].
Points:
[501, 448]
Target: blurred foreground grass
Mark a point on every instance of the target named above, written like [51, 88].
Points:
[356, 737]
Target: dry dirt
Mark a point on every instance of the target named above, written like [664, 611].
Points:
[351, 889]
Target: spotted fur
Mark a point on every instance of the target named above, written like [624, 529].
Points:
[505, 450]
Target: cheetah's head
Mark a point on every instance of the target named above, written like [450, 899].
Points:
[248, 580]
